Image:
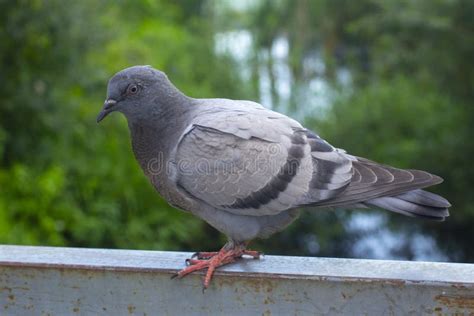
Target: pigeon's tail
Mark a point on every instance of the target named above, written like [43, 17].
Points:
[393, 189]
[415, 203]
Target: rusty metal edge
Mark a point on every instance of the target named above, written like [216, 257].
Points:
[239, 274]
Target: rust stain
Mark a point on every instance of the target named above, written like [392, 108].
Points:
[9, 289]
[398, 283]
[267, 313]
[77, 304]
[11, 297]
[268, 300]
[255, 285]
[131, 309]
[456, 301]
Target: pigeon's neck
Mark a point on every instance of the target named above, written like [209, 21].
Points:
[167, 107]
[155, 134]
[164, 114]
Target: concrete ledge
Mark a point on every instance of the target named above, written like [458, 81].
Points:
[65, 281]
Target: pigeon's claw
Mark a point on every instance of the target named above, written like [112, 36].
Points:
[220, 259]
[212, 260]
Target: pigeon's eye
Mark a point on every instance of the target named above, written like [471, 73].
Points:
[132, 89]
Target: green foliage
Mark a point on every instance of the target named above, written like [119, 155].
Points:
[408, 101]
[408, 126]
[380, 119]
[64, 180]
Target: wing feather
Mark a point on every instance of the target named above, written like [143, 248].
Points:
[246, 169]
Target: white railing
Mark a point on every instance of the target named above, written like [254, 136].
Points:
[74, 281]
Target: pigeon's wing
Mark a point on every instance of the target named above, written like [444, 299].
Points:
[332, 171]
[241, 157]
[244, 159]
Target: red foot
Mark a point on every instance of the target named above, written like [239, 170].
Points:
[212, 260]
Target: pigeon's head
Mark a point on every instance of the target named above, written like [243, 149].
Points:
[133, 90]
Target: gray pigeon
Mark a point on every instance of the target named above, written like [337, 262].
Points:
[247, 170]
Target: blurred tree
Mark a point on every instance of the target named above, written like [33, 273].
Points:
[40, 54]
[419, 93]
[63, 180]
[401, 76]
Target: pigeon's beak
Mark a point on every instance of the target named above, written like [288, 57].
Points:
[109, 105]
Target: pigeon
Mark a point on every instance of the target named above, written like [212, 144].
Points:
[247, 170]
